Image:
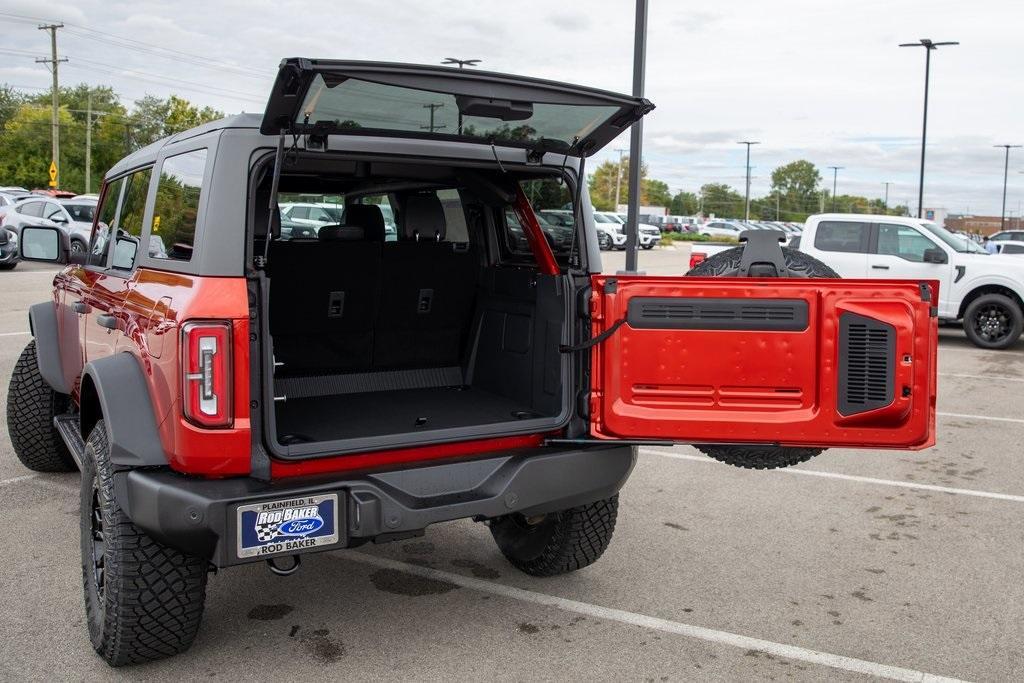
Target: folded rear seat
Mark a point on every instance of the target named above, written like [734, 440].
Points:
[325, 301]
[427, 294]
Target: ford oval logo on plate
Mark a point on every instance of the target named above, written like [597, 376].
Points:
[300, 527]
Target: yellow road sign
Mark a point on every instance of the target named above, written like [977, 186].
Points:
[53, 174]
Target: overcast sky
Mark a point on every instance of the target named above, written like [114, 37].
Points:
[810, 79]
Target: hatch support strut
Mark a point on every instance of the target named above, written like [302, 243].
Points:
[534, 235]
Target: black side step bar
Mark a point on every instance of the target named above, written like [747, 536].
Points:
[69, 428]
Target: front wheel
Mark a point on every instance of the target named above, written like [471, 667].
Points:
[604, 242]
[143, 600]
[559, 542]
[77, 247]
[993, 321]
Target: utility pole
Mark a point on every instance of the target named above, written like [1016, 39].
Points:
[746, 203]
[53, 61]
[618, 177]
[88, 143]
[432, 108]
[776, 205]
[1006, 171]
[835, 176]
[887, 184]
[928, 46]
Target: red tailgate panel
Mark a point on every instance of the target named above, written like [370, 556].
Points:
[798, 362]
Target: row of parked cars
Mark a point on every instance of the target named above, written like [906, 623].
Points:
[20, 207]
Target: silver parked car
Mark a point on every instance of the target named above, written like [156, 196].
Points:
[73, 215]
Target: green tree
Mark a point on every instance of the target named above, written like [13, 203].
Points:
[721, 200]
[684, 204]
[603, 180]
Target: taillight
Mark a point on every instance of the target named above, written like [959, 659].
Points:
[696, 258]
[206, 373]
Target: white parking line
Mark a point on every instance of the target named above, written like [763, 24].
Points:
[792, 652]
[991, 378]
[13, 334]
[852, 477]
[989, 418]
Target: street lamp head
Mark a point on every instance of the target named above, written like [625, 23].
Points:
[929, 44]
[748, 142]
[460, 62]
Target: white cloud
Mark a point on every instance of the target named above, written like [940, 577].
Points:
[824, 81]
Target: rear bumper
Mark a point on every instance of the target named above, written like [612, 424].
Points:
[198, 516]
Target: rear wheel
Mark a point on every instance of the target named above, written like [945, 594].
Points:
[559, 542]
[31, 407]
[143, 600]
[993, 321]
[727, 264]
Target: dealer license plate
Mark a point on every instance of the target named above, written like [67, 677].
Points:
[287, 526]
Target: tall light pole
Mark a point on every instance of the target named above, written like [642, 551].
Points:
[928, 46]
[746, 202]
[636, 136]
[835, 178]
[618, 176]
[1006, 171]
[462, 64]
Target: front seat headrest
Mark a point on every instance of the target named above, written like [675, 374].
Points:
[368, 217]
[423, 218]
[340, 233]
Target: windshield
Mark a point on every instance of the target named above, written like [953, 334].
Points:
[601, 218]
[358, 104]
[958, 244]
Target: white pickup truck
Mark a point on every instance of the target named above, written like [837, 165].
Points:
[985, 291]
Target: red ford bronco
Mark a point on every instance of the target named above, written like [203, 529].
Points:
[236, 392]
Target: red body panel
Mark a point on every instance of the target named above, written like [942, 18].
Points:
[729, 386]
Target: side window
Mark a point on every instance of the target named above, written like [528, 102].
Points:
[549, 199]
[1012, 249]
[176, 208]
[52, 211]
[298, 212]
[128, 230]
[902, 241]
[106, 211]
[34, 209]
[456, 229]
[843, 236]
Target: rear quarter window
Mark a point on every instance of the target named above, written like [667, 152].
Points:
[176, 208]
[842, 236]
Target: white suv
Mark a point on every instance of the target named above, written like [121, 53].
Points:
[985, 291]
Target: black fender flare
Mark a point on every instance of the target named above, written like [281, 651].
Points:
[42, 323]
[123, 396]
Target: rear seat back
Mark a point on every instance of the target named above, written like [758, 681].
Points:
[427, 293]
[324, 303]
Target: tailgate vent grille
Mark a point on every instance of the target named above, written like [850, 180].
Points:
[867, 349]
[717, 314]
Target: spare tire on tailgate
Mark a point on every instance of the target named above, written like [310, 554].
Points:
[761, 457]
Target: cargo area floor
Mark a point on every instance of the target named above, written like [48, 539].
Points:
[326, 418]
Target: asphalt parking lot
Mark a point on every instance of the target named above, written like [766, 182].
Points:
[856, 564]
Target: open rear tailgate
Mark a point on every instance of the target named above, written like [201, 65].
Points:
[795, 362]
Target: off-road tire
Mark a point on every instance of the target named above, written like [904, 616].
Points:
[560, 542]
[31, 407]
[727, 264]
[1012, 323]
[150, 601]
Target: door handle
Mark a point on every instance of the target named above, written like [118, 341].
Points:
[107, 321]
[80, 307]
[880, 267]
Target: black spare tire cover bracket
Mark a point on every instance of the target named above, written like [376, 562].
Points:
[762, 254]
